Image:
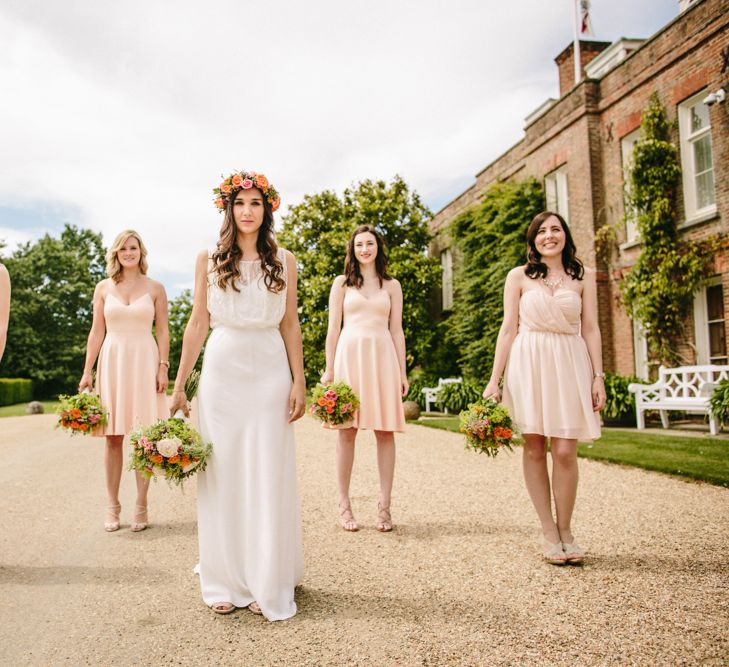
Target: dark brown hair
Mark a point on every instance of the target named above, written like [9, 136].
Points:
[535, 267]
[227, 255]
[352, 274]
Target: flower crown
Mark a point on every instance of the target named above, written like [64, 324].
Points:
[245, 180]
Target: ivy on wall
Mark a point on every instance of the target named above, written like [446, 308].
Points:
[660, 288]
[491, 240]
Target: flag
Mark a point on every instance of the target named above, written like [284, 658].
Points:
[585, 22]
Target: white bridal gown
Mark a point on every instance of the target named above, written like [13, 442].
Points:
[249, 519]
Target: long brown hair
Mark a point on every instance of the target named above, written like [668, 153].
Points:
[227, 255]
[535, 267]
[352, 274]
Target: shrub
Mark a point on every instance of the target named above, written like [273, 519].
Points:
[620, 403]
[719, 402]
[15, 390]
[419, 379]
[456, 396]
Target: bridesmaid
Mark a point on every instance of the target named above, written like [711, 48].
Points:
[4, 307]
[554, 386]
[131, 376]
[368, 353]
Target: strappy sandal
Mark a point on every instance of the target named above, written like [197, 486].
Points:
[553, 553]
[223, 607]
[137, 526]
[346, 518]
[384, 519]
[574, 553]
[255, 609]
[113, 512]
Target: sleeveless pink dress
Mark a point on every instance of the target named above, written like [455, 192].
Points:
[548, 377]
[126, 373]
[366, 360]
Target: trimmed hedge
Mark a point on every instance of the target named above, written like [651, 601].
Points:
[15, 390]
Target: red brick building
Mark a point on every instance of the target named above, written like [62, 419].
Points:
[580, 145]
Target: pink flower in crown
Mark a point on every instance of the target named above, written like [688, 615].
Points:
[346, 408]
[331, 395]
[247, 184]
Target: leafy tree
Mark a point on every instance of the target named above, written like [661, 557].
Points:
[490, 239]
[180, 309]
[660, 288]
[51, 308]
[317, 230]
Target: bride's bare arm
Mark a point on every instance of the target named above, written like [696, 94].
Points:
[195, 333]
[291, 333]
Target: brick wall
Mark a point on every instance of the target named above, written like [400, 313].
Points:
[583, 131]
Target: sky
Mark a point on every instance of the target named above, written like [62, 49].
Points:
[117, 115]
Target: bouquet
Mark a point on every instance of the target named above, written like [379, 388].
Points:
[334, 404]
[170, 448]
[488, 427]
[81, 413]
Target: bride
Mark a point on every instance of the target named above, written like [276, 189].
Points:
[251, 390]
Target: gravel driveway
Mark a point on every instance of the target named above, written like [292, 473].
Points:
[459, 582]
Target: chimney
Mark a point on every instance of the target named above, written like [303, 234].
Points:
[589, 49]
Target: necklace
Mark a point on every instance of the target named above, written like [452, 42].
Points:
[553, 284]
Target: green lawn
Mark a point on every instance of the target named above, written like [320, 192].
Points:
[703, 458]
[19, 408]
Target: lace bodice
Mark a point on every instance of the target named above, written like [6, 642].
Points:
[254, 307]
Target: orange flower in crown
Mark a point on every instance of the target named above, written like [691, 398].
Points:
[245, 180]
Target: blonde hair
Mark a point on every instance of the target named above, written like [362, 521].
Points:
[113, 266]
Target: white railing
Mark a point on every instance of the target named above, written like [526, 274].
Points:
[431, 393]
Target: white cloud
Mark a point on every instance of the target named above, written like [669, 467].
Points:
[130, 111]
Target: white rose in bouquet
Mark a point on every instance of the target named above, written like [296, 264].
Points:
[169, 447]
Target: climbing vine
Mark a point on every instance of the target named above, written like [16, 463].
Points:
[660, 288]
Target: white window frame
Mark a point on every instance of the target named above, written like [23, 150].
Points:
[640, 351]
[687, 139]
[446, 265]
[557, 192]
[701, 323]
[627, 148]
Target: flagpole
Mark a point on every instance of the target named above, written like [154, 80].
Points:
[576, 48]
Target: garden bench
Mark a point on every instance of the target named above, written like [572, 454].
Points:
[431, 393]
[686, 388]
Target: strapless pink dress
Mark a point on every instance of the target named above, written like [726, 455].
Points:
[126, 373]
[366, 360]
[548, 377]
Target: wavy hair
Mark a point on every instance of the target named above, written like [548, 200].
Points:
[227, 255]
[113, 265]
[352, 274]
[535, 267]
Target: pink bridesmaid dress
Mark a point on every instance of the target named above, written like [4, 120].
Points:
[548, 377]
[366, 360]
[126, 373]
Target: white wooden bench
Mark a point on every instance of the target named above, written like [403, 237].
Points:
[431, 393]
[686, 388]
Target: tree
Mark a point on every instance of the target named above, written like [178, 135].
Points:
[51, 308]
[317, 230]
[180, 309]
[491, 240]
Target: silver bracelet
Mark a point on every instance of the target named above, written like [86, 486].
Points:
[598, 375]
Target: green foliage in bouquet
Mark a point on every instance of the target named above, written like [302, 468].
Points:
[488, 427]
[81, 413]
[457, 396]
[719, 402]
[170, 448]
[334, 403]
[619, 403]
